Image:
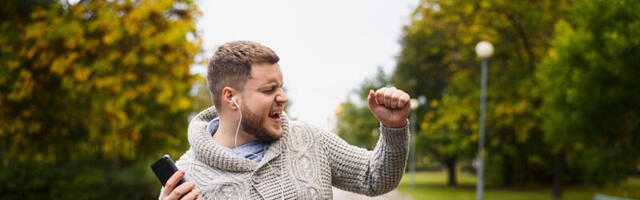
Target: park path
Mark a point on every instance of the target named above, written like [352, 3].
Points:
[344, 195]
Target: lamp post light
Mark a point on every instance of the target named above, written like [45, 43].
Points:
[412, 151]
[484, 50]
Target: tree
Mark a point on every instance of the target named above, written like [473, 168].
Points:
[100, 78]
[101, 83]
[449, 138]
[592, 93]
[437, 61]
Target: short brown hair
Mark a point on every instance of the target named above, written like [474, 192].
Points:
[231, 66]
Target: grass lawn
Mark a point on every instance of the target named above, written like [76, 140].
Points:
[432, 185]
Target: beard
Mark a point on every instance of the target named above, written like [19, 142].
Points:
[252, 124]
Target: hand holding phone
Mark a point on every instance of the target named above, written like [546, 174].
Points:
[165, 168]
[172, 179]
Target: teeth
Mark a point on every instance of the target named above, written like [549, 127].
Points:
[275, 113]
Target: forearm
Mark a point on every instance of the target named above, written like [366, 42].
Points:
[373, 172]
[389, 159]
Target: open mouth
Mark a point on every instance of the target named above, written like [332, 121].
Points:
[275, 114]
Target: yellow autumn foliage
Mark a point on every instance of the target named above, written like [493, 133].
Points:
[99, 79]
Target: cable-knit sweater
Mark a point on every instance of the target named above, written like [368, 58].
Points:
[303, 164]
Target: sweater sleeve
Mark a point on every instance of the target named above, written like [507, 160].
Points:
[368, 172]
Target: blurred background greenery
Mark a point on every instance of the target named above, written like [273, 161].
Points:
[91, 93]
[563, 102]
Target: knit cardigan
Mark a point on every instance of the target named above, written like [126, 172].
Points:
[303, 164]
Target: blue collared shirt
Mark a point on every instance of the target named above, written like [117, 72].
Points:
[253, 151]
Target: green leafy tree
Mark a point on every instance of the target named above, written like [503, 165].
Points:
[100, 83]
[449, 138]
[438, 61]
[592, 91]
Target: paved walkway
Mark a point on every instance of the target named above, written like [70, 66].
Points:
[341, 194]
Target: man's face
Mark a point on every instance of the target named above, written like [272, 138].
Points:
[263, 101]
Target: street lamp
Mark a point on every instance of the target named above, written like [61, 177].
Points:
[412, 151]
[484, 50]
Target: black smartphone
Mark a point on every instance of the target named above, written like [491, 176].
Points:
[164, 169]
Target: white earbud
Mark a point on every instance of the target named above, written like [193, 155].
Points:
[233, 99]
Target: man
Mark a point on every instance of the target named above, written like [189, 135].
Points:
[245, 147]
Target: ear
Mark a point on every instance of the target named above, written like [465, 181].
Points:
[227, 94]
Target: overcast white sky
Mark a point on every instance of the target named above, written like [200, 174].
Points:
[326, 48]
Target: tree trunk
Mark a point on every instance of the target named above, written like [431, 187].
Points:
[558, 169]
[507, 171]
[451, 172]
